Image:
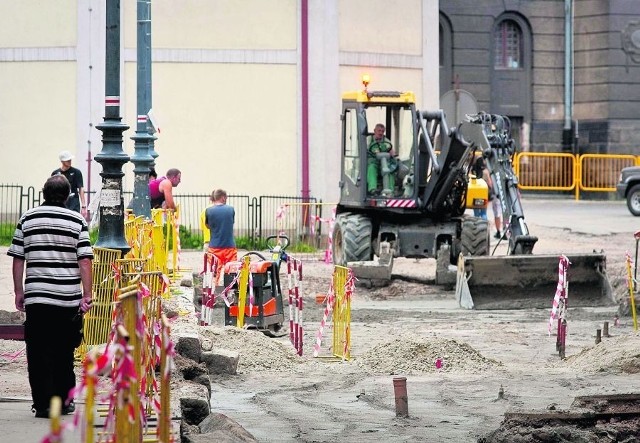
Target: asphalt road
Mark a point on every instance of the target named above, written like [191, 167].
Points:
[589, 217]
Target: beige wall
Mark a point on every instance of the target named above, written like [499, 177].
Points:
[35, 23]
[383, 26]
[226, 84]
[36, 119]
[217, 24]
[225, 125]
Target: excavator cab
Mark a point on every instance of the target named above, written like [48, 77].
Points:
[403, 186]
[383, 168]
[417, 164]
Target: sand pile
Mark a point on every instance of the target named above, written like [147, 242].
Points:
[613, 355]
[257, 351]
[410, 354]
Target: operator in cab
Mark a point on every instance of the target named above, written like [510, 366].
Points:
[378, 143]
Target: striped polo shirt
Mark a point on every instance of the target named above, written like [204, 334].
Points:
[51, 239]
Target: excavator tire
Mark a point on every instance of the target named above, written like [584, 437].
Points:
[475, 236]
[351, 239]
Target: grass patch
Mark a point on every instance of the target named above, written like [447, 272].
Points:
[6, 233]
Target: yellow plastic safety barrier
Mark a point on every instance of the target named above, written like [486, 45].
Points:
[341, 314]
[243, 285]
[631, 284]
[97, 322]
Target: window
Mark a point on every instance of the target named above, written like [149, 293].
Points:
[508, 45]
[351, 164]
[441, 49]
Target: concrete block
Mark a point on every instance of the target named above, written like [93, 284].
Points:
[221, 361]
[188, 345]
[225, 426]
[194, 402]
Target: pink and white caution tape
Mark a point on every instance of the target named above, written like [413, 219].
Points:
[11, 356]
[281, 212]
[328, 256]
[561, 294]
[251, 296]
[349, 287]
[298, 338]
[630, 282]
[330, 302]
[290, 294]
[296, 330]
[208, 298]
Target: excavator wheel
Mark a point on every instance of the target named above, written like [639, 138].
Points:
[475, 236]
[351, 239]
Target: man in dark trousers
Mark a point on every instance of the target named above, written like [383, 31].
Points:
[220, 218]
[53, 242]
[76, 201]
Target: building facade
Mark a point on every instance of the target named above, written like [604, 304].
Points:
[513, 56]
[247, 94]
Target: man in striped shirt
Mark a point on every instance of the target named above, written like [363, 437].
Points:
[53, 242]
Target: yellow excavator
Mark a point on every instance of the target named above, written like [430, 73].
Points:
[416, 206]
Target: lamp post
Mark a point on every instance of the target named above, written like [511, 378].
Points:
[112, 157]
[143, 139]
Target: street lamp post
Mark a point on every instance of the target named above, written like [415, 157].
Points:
[143, 139]
[112, 157]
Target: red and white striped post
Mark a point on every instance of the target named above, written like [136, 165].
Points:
[208, 296]
[294, 276]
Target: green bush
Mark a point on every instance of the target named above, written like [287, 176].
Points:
[302, 248]
[257, 244]
[6, 233]
[189, 240]
[93, 236]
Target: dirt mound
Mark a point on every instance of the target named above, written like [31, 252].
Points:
[257, 351]
[412, 354]
[516, 431]
[612, 355]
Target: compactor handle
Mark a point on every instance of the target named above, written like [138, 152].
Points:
[280, 240]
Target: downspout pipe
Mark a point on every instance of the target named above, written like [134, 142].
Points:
[567, 134]
[304, 53]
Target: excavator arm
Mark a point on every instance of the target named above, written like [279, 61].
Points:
[521, 279]
[492, 135]
[446, 184]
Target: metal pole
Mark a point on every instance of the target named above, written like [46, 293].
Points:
[112, 157]
[141, 156]
[148, 97]
[568, 75]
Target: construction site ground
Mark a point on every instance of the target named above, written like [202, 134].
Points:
[402, 330]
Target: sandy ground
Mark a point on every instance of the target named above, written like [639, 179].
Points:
[402, 331]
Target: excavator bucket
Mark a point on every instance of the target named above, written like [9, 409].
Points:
[530, 281]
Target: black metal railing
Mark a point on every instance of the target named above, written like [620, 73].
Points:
[302, 220]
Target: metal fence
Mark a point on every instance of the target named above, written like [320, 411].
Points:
[256, 217]
[538, 171]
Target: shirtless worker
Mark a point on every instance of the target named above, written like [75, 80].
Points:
[161, 190]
